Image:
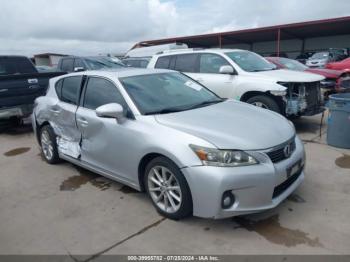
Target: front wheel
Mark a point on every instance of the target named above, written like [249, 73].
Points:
[265, 102]
[168, 189]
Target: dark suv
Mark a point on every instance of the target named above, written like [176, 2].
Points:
[75, 64]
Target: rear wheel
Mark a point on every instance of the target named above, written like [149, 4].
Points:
[265, 102]
[49, 145]
[168, 189]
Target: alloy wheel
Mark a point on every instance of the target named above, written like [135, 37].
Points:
[46, 145]
[164, 189]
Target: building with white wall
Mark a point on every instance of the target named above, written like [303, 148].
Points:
[47, 59]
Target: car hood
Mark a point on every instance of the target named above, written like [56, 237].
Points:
[328, 73]
[283, 75]
[232, 125]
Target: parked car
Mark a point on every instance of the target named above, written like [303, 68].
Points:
[341, 65]
[78, 63]
[320, 59]
[303, 57]
[334, 79]
[20, 84]
[138, 62]
[248, 77]
[161, 132]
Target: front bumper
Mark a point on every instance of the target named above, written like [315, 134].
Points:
[252, 186]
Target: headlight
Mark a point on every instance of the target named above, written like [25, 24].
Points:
[278, 92]
[223, 158]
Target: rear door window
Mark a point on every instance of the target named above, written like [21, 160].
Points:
[6, 68]
[58, 88]
[67, 65]
[16, 65]
[70, 89]
[187, 63]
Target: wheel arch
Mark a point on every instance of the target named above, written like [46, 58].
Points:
[148, 158]
[246, 96]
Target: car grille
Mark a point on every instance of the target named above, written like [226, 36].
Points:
[277, 154]
[286, 184]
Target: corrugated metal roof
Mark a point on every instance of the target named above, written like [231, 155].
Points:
[302, 30]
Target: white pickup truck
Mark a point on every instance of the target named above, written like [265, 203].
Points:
[248, 77]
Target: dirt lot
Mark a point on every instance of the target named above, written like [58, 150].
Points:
[63, 209]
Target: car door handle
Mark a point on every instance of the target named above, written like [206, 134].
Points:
[82, 122]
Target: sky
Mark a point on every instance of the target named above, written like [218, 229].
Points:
[90, 27]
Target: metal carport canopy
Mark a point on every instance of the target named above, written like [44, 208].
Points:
[303, 30]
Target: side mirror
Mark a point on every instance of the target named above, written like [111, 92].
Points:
[226, 69]
[79, 69]
[112, 110]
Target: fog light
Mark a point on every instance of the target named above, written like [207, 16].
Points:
[227, 200]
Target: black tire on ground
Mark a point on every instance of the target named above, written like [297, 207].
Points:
[266, 101]
[186, 207]
[52, 137]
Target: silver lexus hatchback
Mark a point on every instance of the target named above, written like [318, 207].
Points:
[161, 132]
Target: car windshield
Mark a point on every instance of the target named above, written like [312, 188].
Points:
[98, 63]
[292, 64]
[250, 61]
[166, 93]
[320, 55]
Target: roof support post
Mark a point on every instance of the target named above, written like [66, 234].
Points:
[303, 45]
[278, 42]
[220, 41]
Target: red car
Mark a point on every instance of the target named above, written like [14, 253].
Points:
[341, 65]
[335, 80]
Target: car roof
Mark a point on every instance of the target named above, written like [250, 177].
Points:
[198, 50]
[121, 72]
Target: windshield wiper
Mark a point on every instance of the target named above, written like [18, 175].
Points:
[179, 109]
[165, 111]
[205, 103]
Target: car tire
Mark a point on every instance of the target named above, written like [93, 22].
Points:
[172, 190]
[266, 102]
[49, 145]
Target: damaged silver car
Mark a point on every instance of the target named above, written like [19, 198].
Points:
[161, 132]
